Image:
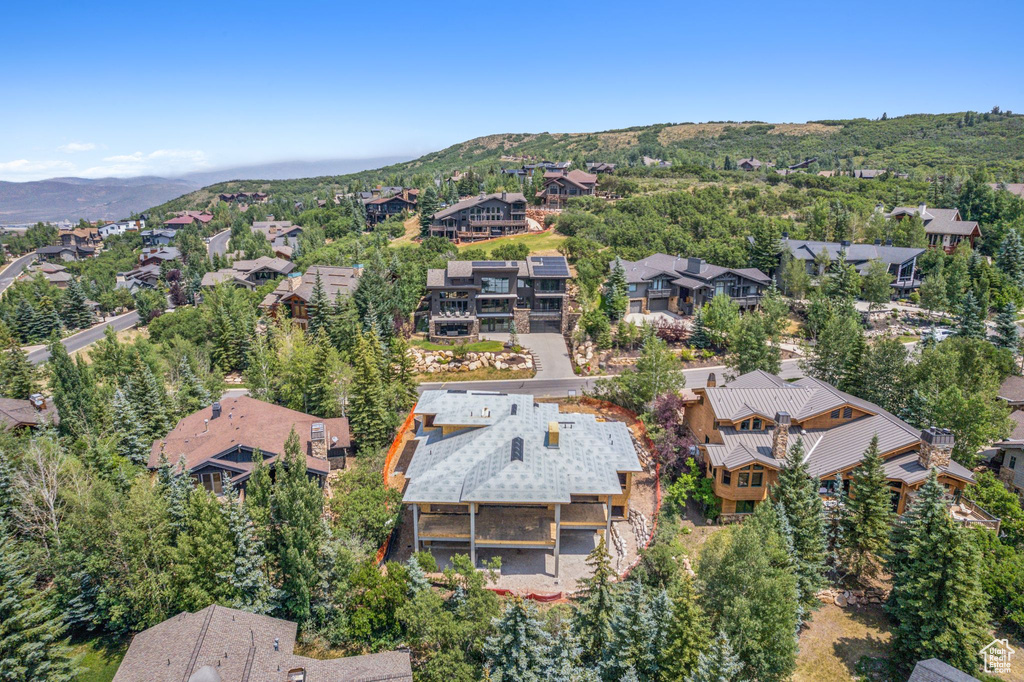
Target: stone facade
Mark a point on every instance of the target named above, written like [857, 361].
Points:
[780, 436]
[434, 323]
[936, 447]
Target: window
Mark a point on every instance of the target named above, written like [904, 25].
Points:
[524, 283]
[847, 412]
[622, 479]
[658, 285]
[756, 479]
[715, 425]
[494, 285]
[745, 507]
[757, 425]
[212, 482]
[631, 288]
[494, 306]
[835, 414]
[745, 425]
[549, 304]
[1013, 461]
[726, 477]
[743, 481]
[549, 285]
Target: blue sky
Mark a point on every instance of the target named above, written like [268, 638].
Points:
[97, 89]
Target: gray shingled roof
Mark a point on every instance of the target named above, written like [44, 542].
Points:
[938, 220]
[482, 462]
[648, 268]
[934, 670]
[240, 647]
[806, 250]
[509, 197]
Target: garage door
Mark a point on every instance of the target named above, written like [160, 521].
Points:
[657, 304]
[635, 306]
[545, 326]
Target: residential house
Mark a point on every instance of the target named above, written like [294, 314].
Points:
[806, 163]
[55, 274]
[221, 644]
[750, 164]
[156, 255]
[1009, 454]
[872, 174]
[1012, 391]
[142, 277]
[380, 208]
[218, 441]
[482, 217]
[656, 163]
[157, 237]
[122, 226]
[599, 167]
[746, 427]
[249, 274]
[682, 285]
[64, 253]
[282, 235]
[244, 197]
[944, 226]
[901, 260]
[295, 293]
[81, 236]
[546, 166]
[469, 297]
[828, 173]
[37, 411]
[560, 186]
[502, 471]
[1016, 188]
[184, 218]
[934, 670]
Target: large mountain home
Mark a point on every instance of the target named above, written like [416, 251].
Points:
[902, 261]
[157, 237]
[746, 427]
[249, 274]
[944, 226]
[655, 163]
[295, 292]
[750, 164]
[1009, 454]
[64, 253]
[37, 411]
[469, 297]
[482, 217]
[157, 255]
[55, 274]
[282, 235]
[384, 206]
[142, 277]
[218, 441]
[501, 471]
[220, 644]
[122, 226]
[560, 186]
[682, 285]
[81, 236]
[598, 167]
[244, 197]
[184, 218]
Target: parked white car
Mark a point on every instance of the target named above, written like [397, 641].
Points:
[940, 334]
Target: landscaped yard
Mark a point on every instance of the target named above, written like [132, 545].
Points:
[478, 347]
[100, 658]
[540, 243]
[837, 639]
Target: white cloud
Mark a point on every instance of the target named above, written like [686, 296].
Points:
[23, 170]
[72, 147]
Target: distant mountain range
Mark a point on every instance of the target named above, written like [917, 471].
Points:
[114, 198]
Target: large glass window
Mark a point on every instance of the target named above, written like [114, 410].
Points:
[450, 329]
[743, 480]
[494, 285]
[212, 482]
[658, 285]
[548, 304]
[500, 305]
[549, 285]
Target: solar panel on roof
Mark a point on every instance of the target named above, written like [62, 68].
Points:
[488, 264]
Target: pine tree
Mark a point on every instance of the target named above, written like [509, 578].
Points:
[851, 377]
[368, 412]
[634, 629]
[73, 390]
[937, 604]
[17, 374]
[401, 381]
[177, 487]
[699, 336]
[427, 205]
[7, 494]
[765, 245]
[32, 647]
[971, 319]
[25, 324]
[132, 442]
[686, 635]
[249, 576]
[323, 395]
[718, 663]
[319, 308]
[259, 369]
[519, 648]
[149, 400]
[1007, 335]
[869, 512]
[204, 554]
[592, 620]
[192, 395]
[616, 293]
[835, 522]
[564, 663]
[797, 495]
[75, 311]
[751, 348]
[258, 495]
[1011, 257]
[296, 508]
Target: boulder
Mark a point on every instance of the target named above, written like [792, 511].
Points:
[840, 600]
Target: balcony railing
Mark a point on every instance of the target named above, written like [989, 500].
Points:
[498, 223]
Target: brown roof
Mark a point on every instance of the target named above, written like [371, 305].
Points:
[1012, 390]
[1011, 187]
[242, 647]
[336, 280]
[15, 413]
[939, 220]
[248, 423]
[575, 177]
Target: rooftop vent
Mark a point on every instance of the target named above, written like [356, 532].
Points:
[485, 412]
[517, 449]
[216, 410]
[515, 408]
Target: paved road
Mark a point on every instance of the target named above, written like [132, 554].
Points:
[87, 337]
[219, 243]
[12, 271]
[556, 388]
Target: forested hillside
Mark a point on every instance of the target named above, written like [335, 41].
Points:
[920, 145]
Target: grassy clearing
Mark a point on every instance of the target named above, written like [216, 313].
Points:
[478, 347]
[836, 640]
[99, 658]
[482, 374]
[540, 243]
[412, 231]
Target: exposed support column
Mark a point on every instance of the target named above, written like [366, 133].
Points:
[558, 533]
[415, 528]
[608, 528]
[472, 533]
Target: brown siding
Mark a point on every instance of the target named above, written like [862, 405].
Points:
[700, 418]
[825, 421]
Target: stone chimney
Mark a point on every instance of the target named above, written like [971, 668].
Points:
[936, 447]
[780, 436]
[38, 401]
[694, 264]
[712, 380]
[318, 440]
